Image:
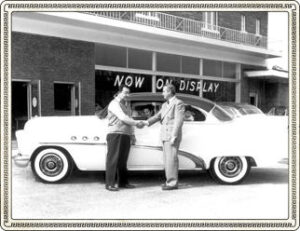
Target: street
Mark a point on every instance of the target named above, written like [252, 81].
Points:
[263, 195]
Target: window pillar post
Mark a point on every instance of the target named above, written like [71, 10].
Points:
[238, 88]
[154, 67]
[201, 74]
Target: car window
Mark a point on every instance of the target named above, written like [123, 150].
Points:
[144, 110]
[221, 114]
[193, 114]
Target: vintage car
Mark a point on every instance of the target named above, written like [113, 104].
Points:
[212, 140]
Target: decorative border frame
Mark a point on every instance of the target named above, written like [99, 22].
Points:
[8, 7]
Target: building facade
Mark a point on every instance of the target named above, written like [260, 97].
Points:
[67, 63]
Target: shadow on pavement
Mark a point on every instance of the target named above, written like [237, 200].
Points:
[267, 175]
[187, 179]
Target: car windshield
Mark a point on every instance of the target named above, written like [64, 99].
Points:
[239, 109]
[249, 110]
[233, 112]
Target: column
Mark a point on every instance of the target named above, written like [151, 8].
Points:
[238, 87]
[201, 74]
[154, 59]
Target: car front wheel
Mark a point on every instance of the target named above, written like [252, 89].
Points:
[51, 165]
[229, 169]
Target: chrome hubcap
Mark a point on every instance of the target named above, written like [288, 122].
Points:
[51, 164]
[230, 166]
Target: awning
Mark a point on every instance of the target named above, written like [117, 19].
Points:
[268, 74]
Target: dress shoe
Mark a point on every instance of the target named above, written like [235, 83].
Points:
[166, 187]
[127, 186]
[111, 188]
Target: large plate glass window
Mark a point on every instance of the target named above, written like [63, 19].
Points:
[168, 63]
[139, 59]
[108, 82]
[182, 85]
[219, 91]
[109, 55]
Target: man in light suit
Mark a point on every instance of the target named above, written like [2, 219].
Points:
[171, 117]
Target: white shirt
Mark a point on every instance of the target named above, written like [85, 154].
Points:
[116, 109]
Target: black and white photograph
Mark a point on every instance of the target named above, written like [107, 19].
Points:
[149, 115]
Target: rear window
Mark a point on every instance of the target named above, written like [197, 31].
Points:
[142, 110]
[220, 114]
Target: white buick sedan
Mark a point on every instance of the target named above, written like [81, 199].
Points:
[212, 140]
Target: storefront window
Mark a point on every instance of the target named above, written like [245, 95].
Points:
[108, 55]
[219, 91]
[219, 69]
[168, 63]
[213, 90]
[108, 82]
[139, 59]
[229, 70]
[182, 85]
[190, 65]
[212, 68]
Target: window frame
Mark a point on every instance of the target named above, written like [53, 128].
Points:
[257, 27]
[210, 21]
[243, 23]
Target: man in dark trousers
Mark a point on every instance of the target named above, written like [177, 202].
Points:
[171, 118]
[119, 138]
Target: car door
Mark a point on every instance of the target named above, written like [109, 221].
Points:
[194, 136]
[146, 154]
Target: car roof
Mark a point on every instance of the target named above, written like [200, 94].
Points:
[188, 99]
[236, 105]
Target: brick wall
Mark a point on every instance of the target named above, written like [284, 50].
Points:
[232, 20]
[52, 59]
[187, 14]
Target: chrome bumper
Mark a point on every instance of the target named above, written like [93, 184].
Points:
[21, 160]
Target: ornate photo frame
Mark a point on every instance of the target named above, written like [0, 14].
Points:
[10, 7]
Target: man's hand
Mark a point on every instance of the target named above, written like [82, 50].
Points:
[140, 124]
[133, 140]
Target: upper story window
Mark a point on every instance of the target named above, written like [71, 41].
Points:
[211, 20]
[257, 27]
[147, 16]
[243, 23]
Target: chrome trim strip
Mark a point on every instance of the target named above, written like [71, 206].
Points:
[197, 160]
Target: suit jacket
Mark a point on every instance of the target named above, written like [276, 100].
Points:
[171, 119]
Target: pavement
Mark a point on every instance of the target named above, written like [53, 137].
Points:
[263, 195]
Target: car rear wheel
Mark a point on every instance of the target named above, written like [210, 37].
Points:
[229, 169]
[51, 165]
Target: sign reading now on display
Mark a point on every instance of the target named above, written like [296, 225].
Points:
[186, 85]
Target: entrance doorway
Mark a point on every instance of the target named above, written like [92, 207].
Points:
[66, 98]
[253, 98]
[20, 104]
[25, 102]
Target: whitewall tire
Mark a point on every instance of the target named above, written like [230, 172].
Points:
[229, 169]
[51, 165]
